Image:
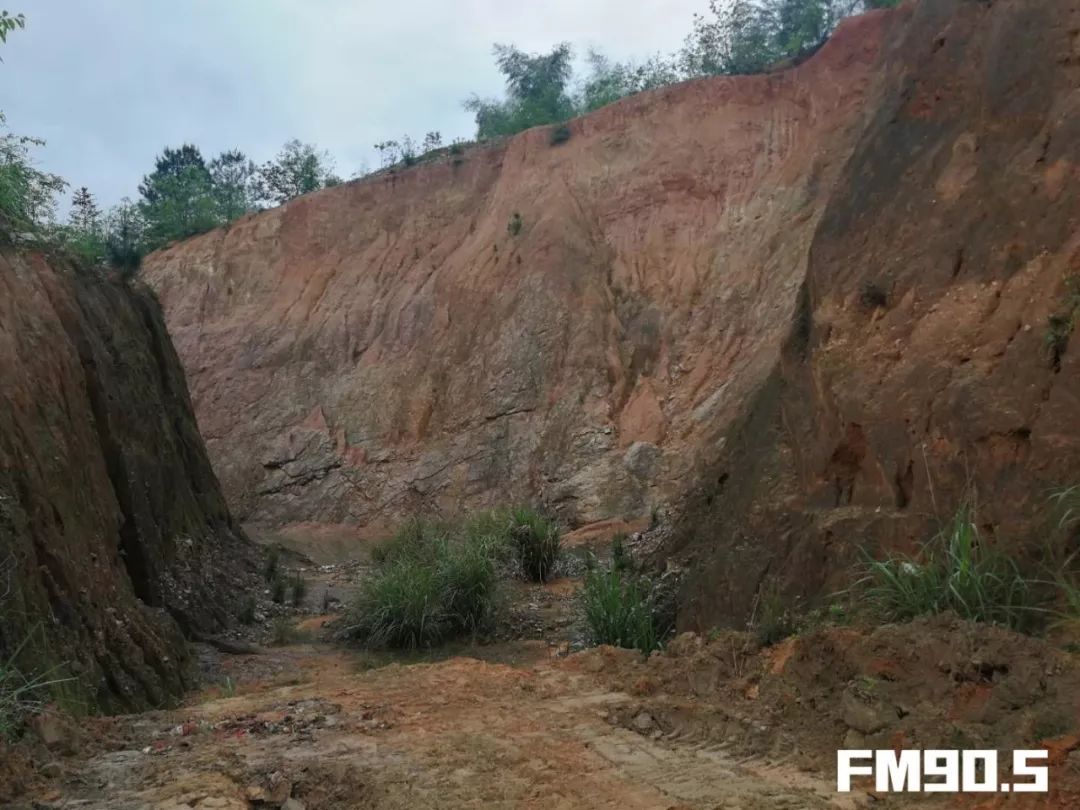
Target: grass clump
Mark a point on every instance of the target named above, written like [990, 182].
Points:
[773, 620]
[23, 696]
[537, 543]
[618, 610]
[956, 572]
[401, 605]
[469, 579]
[433, 580]
[1067, 506]
[283, 631]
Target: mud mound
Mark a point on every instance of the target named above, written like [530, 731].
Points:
[933, 683]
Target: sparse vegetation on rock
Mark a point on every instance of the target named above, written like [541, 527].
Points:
[513, 227]
[958, 572]
[1061, 325]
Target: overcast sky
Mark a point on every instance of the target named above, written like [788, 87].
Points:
[108, 83]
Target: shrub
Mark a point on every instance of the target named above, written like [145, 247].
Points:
[618, 611]
[956, 572]
[514, 226]
[537, 543]
[560, 135]
[873, 295]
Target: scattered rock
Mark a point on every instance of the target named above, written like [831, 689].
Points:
[54, 732]
[644, 722]
[861, 716]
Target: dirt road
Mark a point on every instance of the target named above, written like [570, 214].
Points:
[459, 733]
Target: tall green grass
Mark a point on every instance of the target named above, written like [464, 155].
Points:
[434, 580]
[956, 572]
[537, 543]
[401, 605]
[618, 610]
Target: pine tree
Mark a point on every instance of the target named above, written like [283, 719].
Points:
[85, 216]
[177, 197]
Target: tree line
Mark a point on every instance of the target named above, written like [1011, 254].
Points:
[735, 37]
[186, 194]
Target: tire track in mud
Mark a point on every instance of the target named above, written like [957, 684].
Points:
[459, 733]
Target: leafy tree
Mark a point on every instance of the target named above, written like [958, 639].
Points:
[432, 141]
[298, 169]
[536, 92]
[234, 181]
[125, 238]
[609, 81]
[747, 36]
[178, 197]
[9, 23]
[27, 195]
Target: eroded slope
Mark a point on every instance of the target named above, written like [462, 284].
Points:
[925, 369]
[394, 344]
[114, 535]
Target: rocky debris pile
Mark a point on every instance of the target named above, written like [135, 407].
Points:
[932, 683]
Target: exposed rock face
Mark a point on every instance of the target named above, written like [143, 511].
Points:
[114, 535]
[809, 307]
[923, 367]
[393, 344]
